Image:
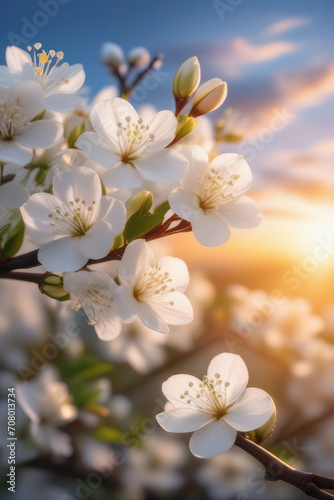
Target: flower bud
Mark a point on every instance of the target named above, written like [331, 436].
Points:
[187, 78]
[139, 57]
[185, 125]
[209, 97]
[112, 55]
[52, 286]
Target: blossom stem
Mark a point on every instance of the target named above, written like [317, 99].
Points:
[311, 484]
[142, 74]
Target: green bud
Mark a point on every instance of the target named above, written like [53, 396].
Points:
[185, 125]
[187, 78]
[140, 203]
[52, 286]
[209, 97]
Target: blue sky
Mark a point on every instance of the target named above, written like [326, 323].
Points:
[272, 54]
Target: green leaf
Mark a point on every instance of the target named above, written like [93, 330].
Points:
[11, 239]
[108, 434]
[85, 368]
[137, 226]
[162, 209]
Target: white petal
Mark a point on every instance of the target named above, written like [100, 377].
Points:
[126, 304]
[123, 176]
[176, 385]
[108, 325]
[19, 63]
[174, 309]
[184, 204]
[74, 75]
[210, 229]
[107, 114]
[35, 213]
[137, 257]
[52, 439]
[31, 97]
[12, 152]
[167, 166]
[232, 369]
[27, 397]
[231, 164]
[213, 439]
[150, 318]
[177, 269]
[79, 182]
[114, 212]
[40, 134]
[13, 195]
[6, 78]
[98, 149]
[62, 255]
[251, 410]
[62, 102]
[197, 162]
[163, 126]
[243, 213]
[96, 243]
[182, 420]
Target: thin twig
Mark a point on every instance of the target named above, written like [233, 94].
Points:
[311, 484]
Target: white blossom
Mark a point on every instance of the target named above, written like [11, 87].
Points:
[216, 407]
[152, 289]
[57, 82]
[74, 224]
[130, 149]
[211, 196]
[19, 104]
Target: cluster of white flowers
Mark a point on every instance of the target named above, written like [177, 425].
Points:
[75, 203]
[77, 175]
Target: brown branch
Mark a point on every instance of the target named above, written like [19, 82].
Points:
[30, 259]
[309, 483]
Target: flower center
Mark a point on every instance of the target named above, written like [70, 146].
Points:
[153, 284]
[11, 118]
[76, 219]
[133, 139]
[215, 190]
[94, 301]
[44, 64]
[209, 397]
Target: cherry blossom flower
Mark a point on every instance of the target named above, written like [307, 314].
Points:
[216, 407]
[94, 292]
[57, 82]
[74, 224]
[19, 104]
[130, 149]
[211, 197]
[48, 404]
[152, 289]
